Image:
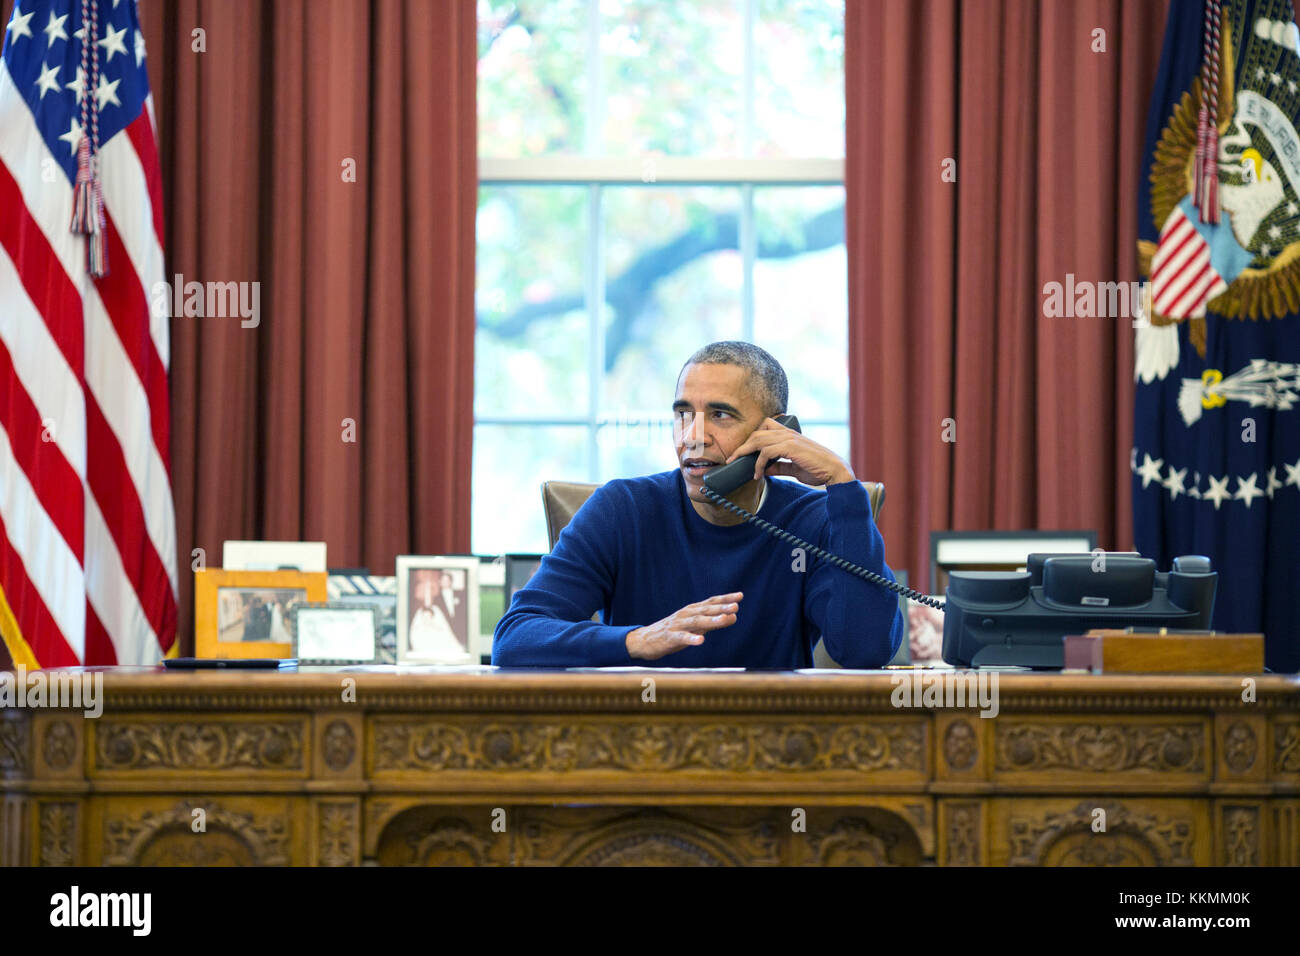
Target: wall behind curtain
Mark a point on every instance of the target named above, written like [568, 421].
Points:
[946, 278]
[367, 287]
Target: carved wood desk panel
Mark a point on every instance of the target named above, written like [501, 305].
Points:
[513, 768]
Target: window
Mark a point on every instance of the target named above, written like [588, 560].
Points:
[654, 175]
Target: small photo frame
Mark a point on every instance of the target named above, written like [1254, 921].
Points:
[437, 609]
[336, 632]
[519, 571]
[491, 602]
[243, 614]
[904, 653]
[273, 555]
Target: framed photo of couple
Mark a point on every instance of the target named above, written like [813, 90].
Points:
[438, 610]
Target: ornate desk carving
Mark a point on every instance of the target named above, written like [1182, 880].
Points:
[347, 768]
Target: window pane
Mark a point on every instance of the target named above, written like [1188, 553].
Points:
[801, 294]
[636, 443]
[674, 277]
[510, 464]
[531, 344]
[672, 74]
[799, 78]
[532, 82]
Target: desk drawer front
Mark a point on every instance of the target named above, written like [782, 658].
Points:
[1111, 752]
[183, 745]
[779, 750]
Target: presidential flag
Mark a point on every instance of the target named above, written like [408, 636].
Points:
[1216, 456]
[87, 526]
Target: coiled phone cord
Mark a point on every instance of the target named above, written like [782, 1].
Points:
[826, 556]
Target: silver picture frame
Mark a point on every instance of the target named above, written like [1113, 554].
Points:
[335, 632]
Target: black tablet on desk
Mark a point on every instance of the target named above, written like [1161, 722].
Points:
[212, 663]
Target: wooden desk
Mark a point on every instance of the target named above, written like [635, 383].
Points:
[582, 768]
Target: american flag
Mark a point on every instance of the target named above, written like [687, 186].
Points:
[1194, 262]
[87, 525]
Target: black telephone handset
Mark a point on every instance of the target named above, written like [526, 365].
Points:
[727, 478]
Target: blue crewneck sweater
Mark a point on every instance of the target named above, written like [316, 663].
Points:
[637, 551]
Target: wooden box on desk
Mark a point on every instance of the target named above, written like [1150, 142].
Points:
[1118, 652]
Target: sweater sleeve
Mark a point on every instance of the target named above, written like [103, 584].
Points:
[549, 621]
[860, 622]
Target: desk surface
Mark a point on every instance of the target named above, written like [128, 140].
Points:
[338, 766]
[684, 688]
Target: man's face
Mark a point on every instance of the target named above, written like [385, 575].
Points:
[714, 412]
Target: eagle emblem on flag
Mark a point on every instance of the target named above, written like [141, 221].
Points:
[1232, 246]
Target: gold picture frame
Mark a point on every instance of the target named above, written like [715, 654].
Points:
[228, 603]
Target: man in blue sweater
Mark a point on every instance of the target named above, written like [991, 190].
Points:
[682, 582]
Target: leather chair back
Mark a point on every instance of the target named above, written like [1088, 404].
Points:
[562, 499]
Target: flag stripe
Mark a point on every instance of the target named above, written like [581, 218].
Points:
[110, 483]
[1173, 241]
[1186, 277]
[41, 368]
[113, 385]
[1180, 251]
[1195, 286]
[141, 183]
[99, 646]
[49, 568]
[57, 486]
[117, 606]
[1177, 284]
[130, 316]
[42, 275]
[129, 184]
[36, 626]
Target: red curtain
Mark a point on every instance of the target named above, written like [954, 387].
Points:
[346, 415]
[1042, 106]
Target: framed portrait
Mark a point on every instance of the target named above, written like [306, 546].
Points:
[335, 632]
[437, 610]
[242, 614]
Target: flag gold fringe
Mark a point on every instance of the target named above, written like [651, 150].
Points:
[19, 649]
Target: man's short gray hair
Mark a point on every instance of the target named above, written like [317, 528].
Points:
[766, 376]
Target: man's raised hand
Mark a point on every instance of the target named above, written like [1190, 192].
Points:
[684, 628]
[784, 451]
